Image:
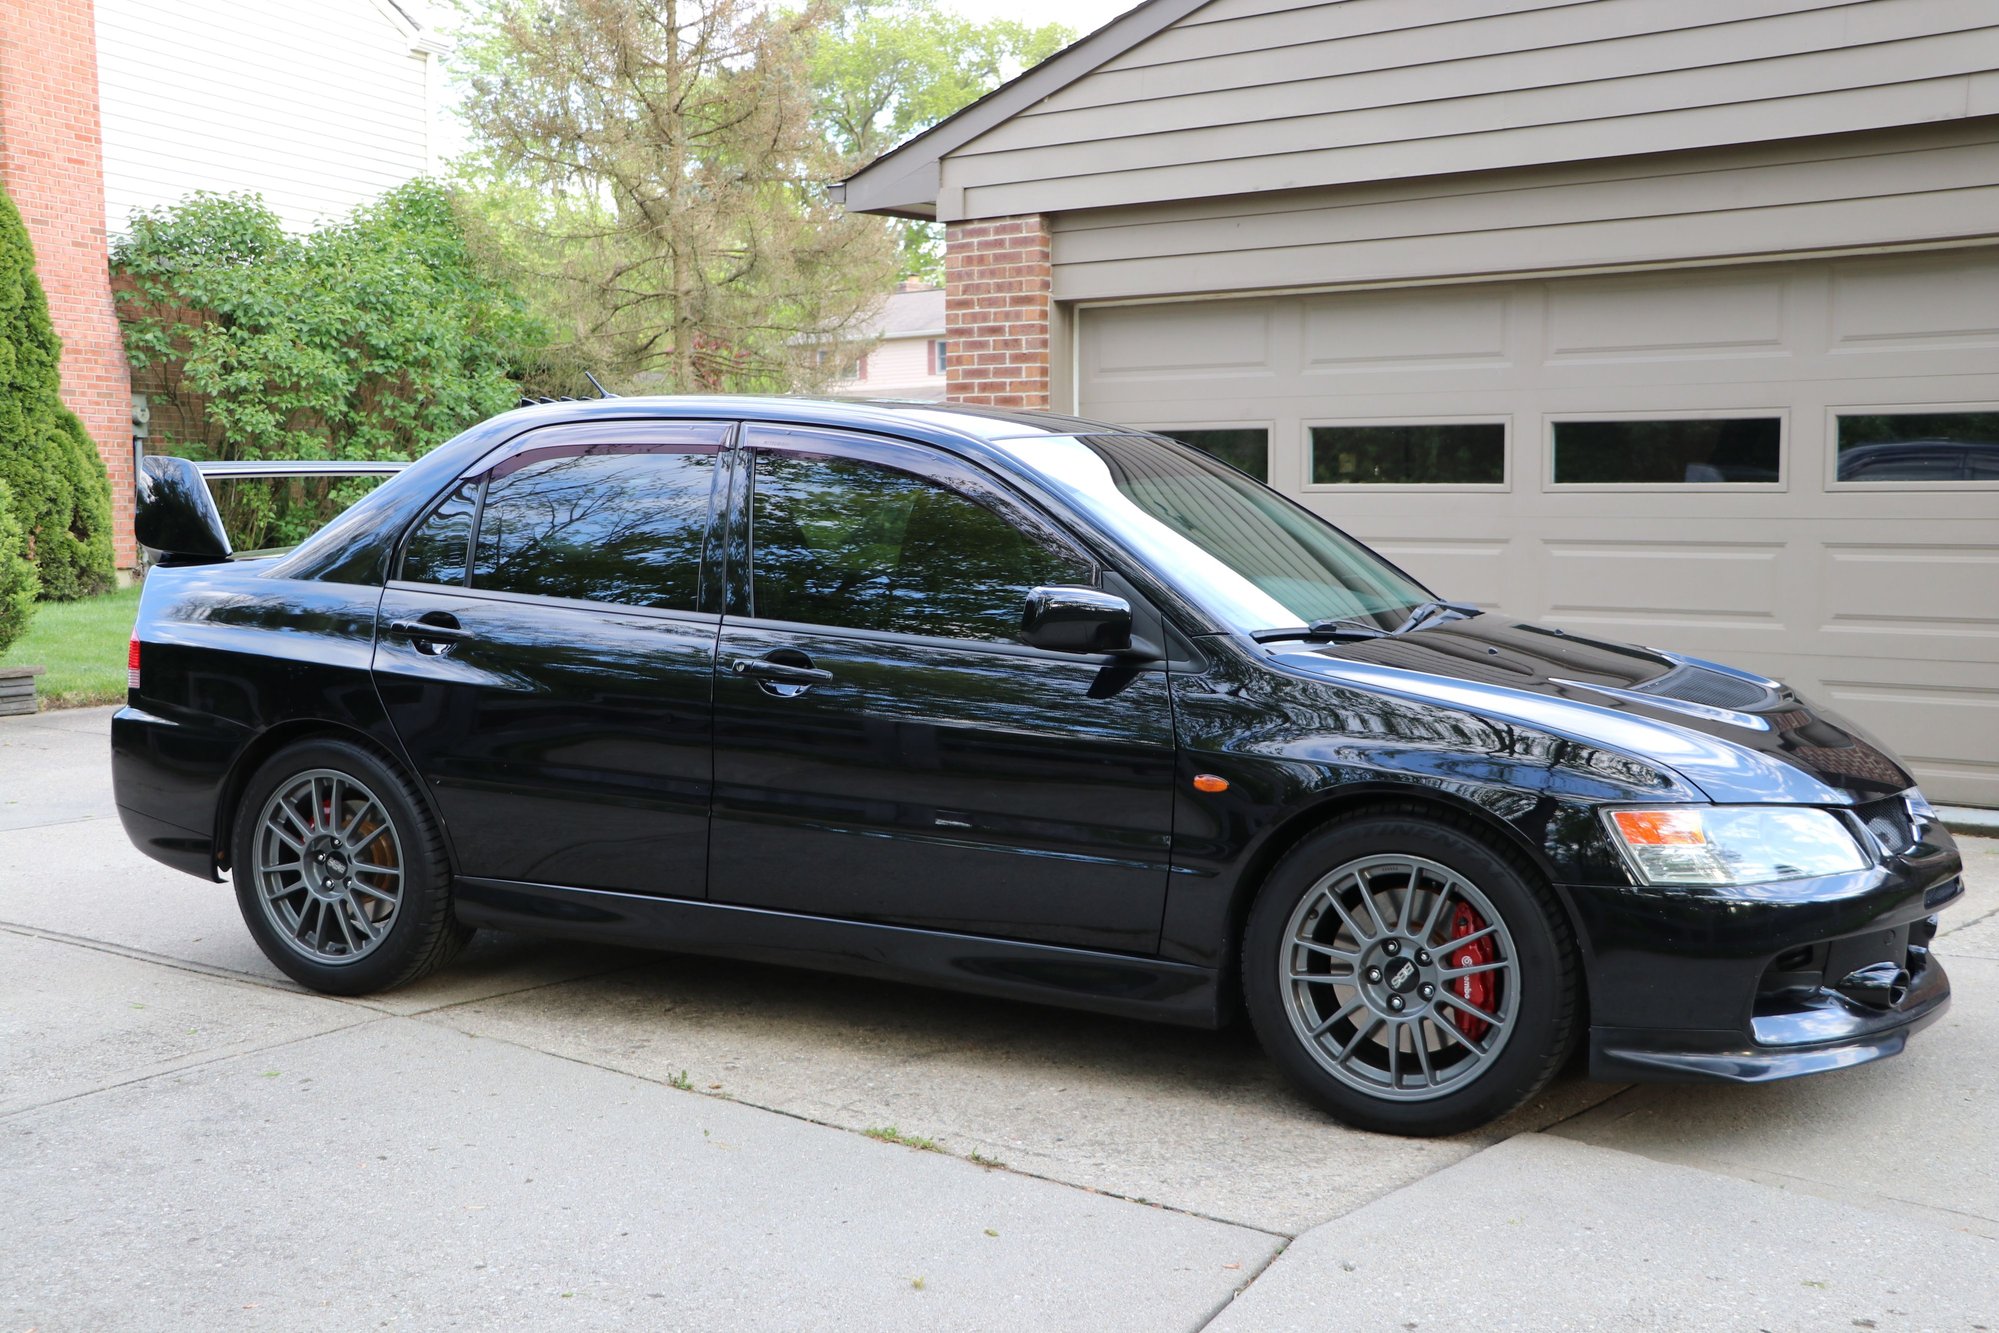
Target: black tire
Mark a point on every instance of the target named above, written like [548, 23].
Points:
[1540, 994]
[418, 931]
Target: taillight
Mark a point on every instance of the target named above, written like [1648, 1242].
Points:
[132, 665]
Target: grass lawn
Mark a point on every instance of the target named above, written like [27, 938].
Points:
[83, 646]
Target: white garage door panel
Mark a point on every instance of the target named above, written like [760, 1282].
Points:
[1474, 570]
[1929, 591]
[1372, 334]
[1644, 583]
[1883, 601]
[1621, 319]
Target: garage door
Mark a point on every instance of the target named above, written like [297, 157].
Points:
[1792, 467]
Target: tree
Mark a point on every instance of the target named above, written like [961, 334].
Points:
[61, 495]
[18, 583]
[376, 338]
[885, 70]
[653, 170]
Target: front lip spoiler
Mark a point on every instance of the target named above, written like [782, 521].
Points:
[1832, 1034]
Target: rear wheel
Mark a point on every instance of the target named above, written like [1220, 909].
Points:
[340, 872]
[1408, 975]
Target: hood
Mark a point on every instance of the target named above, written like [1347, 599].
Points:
[1738, 737]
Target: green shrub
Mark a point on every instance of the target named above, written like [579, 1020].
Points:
[18, 583]
[62, 497]
[376, 338]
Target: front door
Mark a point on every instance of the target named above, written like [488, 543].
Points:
[546, 654]
[887, 749]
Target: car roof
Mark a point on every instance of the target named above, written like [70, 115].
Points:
[985, 424]
[354, 546]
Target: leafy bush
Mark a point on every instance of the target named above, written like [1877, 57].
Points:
[375, 338]
[18, 583]
[61, 495]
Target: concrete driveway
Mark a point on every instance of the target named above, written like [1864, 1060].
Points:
[582, 1137]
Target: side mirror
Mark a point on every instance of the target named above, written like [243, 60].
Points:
[1076, 620]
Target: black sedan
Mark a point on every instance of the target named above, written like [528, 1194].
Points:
[1023, 705]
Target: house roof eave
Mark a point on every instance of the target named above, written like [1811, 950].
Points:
[904, 181]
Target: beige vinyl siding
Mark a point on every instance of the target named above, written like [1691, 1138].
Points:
[1929, 185]
[318, 107]
[1369, 90]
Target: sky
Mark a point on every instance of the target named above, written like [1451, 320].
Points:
[1085, 16]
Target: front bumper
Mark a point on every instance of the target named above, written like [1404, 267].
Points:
[1765, 982]
[1831, 1032]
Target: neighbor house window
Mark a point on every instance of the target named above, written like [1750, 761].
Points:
[1442, 453]
[937, 349]
[1919, 446]
[1246, 448]
[855, 370]
[1675, 451]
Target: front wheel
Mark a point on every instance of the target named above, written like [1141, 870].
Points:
[1410, 976]
[340, 871]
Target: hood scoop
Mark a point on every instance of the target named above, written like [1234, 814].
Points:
[1697, 691]
[1691, 684]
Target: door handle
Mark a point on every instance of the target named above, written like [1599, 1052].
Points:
[436, 632]
[786, 673]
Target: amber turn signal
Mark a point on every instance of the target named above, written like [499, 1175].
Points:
[1209, 782]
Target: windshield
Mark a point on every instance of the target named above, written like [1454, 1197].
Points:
[1232, 545]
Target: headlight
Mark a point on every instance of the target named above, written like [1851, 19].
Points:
[1733, 844]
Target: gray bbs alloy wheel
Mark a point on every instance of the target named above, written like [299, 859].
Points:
[340, 870]
[1411, 973]
[1400, 977]
[328, 867]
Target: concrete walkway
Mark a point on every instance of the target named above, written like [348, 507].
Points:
[581, 1136]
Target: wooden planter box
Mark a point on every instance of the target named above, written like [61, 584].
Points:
[17, 689]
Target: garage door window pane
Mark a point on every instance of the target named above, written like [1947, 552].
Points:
[1920, 446]
[1444, 454]
[1688, 450]
[1246, 448]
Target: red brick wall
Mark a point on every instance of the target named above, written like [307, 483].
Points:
[996, 284]
[52, 161]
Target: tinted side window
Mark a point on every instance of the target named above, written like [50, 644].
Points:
[622, 527]
[835, 541]
[436, 550]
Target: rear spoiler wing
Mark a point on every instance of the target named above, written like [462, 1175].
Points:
[176, 514]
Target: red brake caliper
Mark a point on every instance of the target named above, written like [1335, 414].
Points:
[1479, 989]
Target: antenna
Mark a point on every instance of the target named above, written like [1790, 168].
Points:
[602, 392]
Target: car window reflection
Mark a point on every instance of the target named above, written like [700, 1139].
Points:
[624, 528]
[840, 542]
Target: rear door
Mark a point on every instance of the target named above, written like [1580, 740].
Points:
[887, 749]
[545, 651]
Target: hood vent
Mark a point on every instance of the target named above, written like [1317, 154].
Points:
[1715, 689]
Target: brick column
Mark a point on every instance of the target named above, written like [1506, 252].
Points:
[996, 308]
[52, 160]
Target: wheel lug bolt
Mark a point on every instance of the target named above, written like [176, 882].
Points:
[1427, 990]
[1395, 1003]
[1374, 976]
[1423, 957]
[1391, 948]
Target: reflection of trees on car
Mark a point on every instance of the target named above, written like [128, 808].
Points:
[625, 528]
[842, 542]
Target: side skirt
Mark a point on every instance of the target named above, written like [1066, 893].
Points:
[1146, 988]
